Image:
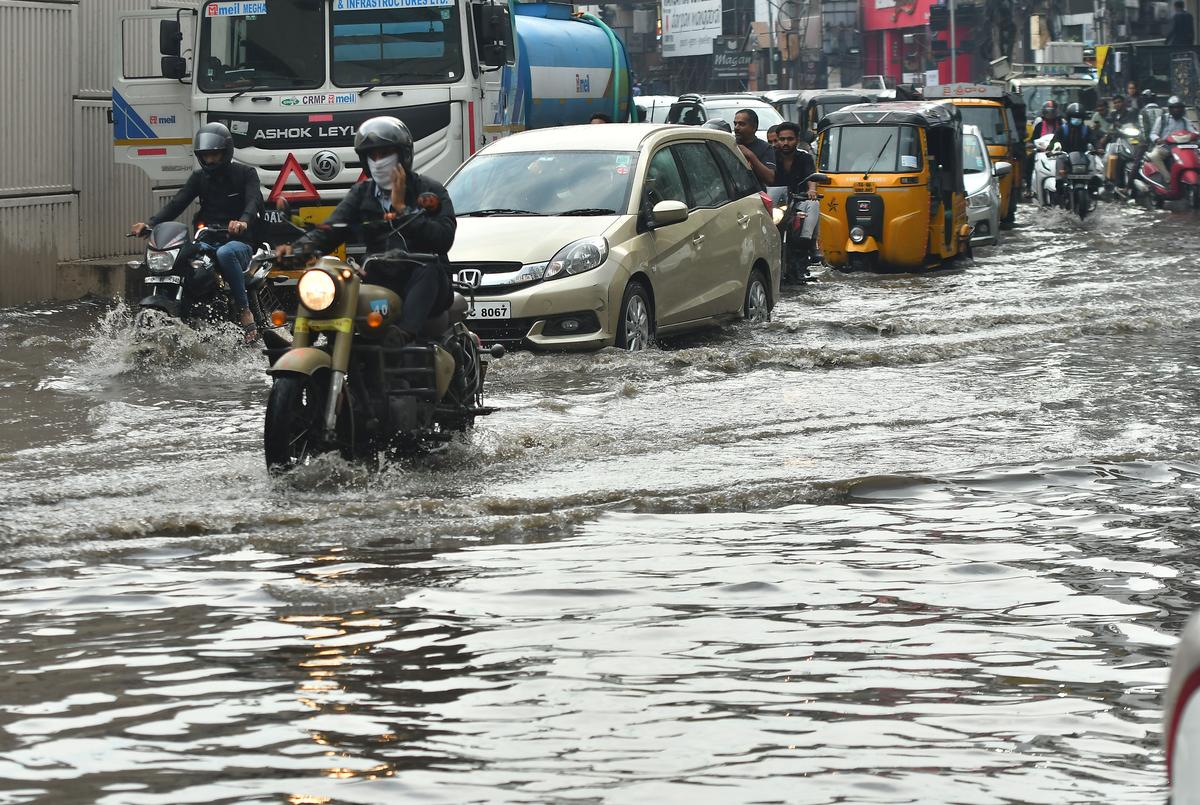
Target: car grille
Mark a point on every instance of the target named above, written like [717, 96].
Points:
[494, 268]
[509, 332]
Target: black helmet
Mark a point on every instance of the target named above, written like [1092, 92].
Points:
[213, 138]
[1074, 111]
[1175, 102]
[718, 123]
[385, 132]
[1050, 109]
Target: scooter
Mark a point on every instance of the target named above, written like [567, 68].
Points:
[1120, 156]
[1183, 178]
[790, 217]
[1079, 181]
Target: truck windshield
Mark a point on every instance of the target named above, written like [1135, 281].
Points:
[420, 45]
[544, 183]
[989, 119]
[878, 149]
[280, 49]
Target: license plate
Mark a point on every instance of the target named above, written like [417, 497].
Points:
[491, 310]
[167, 279]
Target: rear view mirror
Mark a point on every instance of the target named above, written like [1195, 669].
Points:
[174, 67]
[1003, 168]
[666, 213]
[819, 178]
[493, 32]
[169, 37]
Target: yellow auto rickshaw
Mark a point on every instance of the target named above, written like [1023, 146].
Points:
[893, 186]
[1000, 117]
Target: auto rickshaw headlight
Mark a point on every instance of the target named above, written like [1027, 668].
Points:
[857, 235]
[777, 216]
[317, 290]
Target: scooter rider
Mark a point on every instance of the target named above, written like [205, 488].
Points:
[792, 167]
[1174, 120]
[1074, 134]
[415, 214]
[230, 195]
[1047, 123]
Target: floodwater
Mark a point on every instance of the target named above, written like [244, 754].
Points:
[920, 539]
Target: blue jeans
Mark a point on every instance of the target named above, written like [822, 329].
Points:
[232, 260]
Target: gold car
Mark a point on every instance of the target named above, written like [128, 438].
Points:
[591, 236]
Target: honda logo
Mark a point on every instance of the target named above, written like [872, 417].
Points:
[471, 277]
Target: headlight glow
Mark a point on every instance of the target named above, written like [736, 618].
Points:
[575, 258]
[1131, 131]
[161, 262]
[857, 235]
[317, 290]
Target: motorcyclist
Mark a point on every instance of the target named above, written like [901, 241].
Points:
[1073, 134]
[1046, 123]
[231, 196]
[1099, 123]
[793, 166]
[403, 211]
[1121, 115]
[1174, 120]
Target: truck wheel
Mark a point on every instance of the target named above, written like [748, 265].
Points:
[292, 433]
[635, 327]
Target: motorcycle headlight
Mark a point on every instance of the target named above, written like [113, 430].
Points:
[317, 290]
[857, 235]
[1131, 131]
[161, 262]
[777, 216]
[575, 258]
[979, 201]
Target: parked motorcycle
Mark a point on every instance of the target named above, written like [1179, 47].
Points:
[350, 384]
[184, 282]
[1182, 180]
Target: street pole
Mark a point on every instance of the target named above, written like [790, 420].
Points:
[953, 47]
[770, 42]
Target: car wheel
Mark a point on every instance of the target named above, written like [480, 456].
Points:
[635, 328]
[757, 307]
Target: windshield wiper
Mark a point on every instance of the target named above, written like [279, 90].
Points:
[496, 211]
[589, 211]
[255, 88]
[878, 156]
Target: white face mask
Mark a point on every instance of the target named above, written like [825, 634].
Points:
[381, 170]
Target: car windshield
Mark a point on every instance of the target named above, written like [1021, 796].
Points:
[989, 119]
[414, 45]
[282, 48]
[871, 149]
[767, 116]
[974, 158]
[544, 183]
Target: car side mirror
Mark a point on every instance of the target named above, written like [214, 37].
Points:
[1002, 168]
[174, 67]
[666, 213]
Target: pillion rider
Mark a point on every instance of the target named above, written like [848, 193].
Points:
[409, 212]
[230, 196]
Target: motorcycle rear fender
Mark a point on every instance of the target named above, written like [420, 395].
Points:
[868, 246]
[302, 361]
[172, 307]
[1190, 176]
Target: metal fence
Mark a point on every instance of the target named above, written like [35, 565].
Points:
[61, 195]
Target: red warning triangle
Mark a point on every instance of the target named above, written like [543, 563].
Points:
[292, 167]
[362, 177]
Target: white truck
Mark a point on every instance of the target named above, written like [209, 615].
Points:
[292, 79]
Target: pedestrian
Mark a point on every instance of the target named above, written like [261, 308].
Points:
[1131, 96]
[773, 136]
[760, 155]
[230, 195]
[1183, 27]
[1099, 121]
[599, 117]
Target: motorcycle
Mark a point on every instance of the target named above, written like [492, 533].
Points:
[184, 282]
[1071, 181]
[789, 218]
[348, 383]
[1120, 156]
[1182, 180]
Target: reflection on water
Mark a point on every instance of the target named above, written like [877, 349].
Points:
[921, 539]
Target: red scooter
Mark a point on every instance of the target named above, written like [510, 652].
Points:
[1184, 179]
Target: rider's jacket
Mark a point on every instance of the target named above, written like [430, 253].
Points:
[1075, 138]
[1042, 127]
[416, 230]
[1169, 125]
[232, 193]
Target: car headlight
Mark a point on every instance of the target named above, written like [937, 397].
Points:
[317, 290]
[979, 201]
[777, 216]
[161, 262]
[857, 235]
[575, 258]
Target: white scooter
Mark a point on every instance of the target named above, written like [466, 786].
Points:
[1071, 181]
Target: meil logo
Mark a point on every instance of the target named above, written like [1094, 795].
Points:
[162, 120]
[583, 83]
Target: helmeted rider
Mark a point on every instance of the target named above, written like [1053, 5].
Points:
[1074, 133]
[1046, 123]
[417, 214]
[230, 196]
[1173, 121]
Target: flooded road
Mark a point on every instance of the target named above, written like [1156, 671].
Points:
[920, 539]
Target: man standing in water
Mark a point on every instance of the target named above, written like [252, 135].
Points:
[757, 153]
